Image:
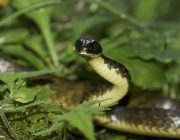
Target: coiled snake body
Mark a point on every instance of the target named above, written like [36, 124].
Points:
[154, 122]
[145, 121]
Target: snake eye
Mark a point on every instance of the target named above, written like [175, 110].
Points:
[96, 46]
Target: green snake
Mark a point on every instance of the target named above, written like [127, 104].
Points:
[151, 120]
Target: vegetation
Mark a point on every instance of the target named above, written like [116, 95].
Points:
[143, 35]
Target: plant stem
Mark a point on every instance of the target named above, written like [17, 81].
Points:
[28, 9]
[46, 31]
[3, 117]
[20, 108]
[115, 11]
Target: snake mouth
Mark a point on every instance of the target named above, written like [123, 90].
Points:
[83, 52]
[88, 56]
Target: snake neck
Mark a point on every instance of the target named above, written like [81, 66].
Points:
[113, 72]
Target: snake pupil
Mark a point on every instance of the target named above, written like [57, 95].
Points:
[96, 46]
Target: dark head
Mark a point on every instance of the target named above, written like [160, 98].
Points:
[88, 48]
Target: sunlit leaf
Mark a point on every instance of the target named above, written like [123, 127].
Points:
[24, 95]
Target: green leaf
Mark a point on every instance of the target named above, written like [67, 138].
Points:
[44, 92]
[82, 121]
[80, 118]
[9, 78]
[146, 75]
[148, 8]
[35, 117]
[9, 19]
[12, 37]
[24, 95]
[27, 56]
[40, 125]
[88, 23]
[160, 42]
[10, 107]
[52, 108]
[57, 125]
[110, 8]
[41, 17]
[4, 87]
[35, 44]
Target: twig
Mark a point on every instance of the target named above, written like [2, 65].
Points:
[8, 126]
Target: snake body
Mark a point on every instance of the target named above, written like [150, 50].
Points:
[140, 116]
[110, 70]
[152, 122]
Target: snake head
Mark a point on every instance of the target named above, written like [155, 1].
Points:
[88, 48]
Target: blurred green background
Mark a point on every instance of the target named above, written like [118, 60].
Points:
[143, 35]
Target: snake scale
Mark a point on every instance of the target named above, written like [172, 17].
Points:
[151, 119]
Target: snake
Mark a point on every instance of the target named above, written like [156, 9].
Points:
[159, 117]
[152, 122]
